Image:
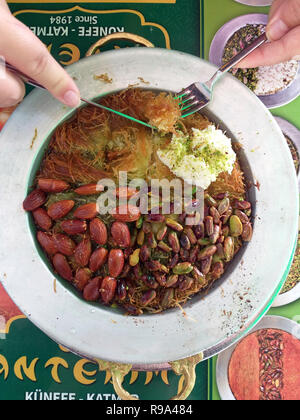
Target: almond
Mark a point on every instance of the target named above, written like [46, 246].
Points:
[121, 234]
[89, 189]
[98, 259]
[126, 213]
[82, 277]
[83, 252]
[116, 262]
[74, 227]
[60, 209]
[47, 242]
[87, 211]
[125, 192]
[91, 292]
[98, 231]
[42, 219]
[64, 244]
[52, 185]
[62, 267]
[108, 289]
[34, 200]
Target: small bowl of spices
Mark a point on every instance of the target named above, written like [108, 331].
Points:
[275, 85]
[264, 365]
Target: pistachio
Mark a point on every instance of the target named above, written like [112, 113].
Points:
[215, 215]
[183, 268]
[162, 245]
[150, 281]
[207, 252]
[209, 225]
[241, 205]
[247, 232]
[139, 222]
[194, 254]
[186, 283]
[145, 253]
[140, 238]
[225, 231]
[172, 280]
[155, 218]
[198, 276]
[134, 258]
[184, 254]
[216, 234]
[161, 279]
[162, 233]
[229, 248]
[220, 251]
[174, 225]
[199, 231]
[147, 228]
[185, 242]
[210, 200]
[226, 216]
[164, 269]
[153, 265]
[151, 242]
[148, 297]
[190, 234]
[167, 298]
[174, 261]
[204, 242]
[224, 206]
[217, 270]
[242, 216]
[236, 226]
[206, 265]
[174, 242]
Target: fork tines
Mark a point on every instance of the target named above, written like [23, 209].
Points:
[191, 100]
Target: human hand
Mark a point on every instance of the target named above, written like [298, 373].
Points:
[21, 48]
[283, 31]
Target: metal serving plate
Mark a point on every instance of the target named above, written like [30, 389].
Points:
[104, 333]
[219, 42]
[255, 2]
[269, 322]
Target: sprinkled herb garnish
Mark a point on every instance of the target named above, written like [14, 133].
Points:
[240, 40]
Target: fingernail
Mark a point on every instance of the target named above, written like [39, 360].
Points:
[276, 29]
[71, 98]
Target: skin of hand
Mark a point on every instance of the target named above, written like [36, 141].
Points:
[283, 31]
[22, 49]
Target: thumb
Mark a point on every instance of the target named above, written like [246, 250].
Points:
[285, 49]
[284, 16]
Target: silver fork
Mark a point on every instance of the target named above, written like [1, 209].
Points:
[198, 95]
[34, 83]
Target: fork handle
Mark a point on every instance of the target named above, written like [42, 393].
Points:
[244, 53]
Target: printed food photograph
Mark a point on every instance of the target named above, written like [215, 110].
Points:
[150, 200]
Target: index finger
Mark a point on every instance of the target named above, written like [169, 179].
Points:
[27, 53]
